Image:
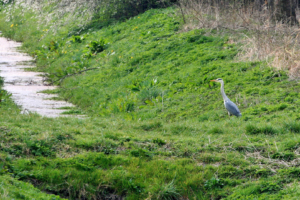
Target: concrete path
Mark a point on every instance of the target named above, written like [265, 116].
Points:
[25, 86]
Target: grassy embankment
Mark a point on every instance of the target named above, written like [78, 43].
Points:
[157, 128]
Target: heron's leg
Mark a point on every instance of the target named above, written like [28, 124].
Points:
[229, 114]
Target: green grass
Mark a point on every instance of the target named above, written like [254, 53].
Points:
[156, 128]
[14, 189]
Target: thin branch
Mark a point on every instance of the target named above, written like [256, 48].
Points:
[181, 10]
[61, 79]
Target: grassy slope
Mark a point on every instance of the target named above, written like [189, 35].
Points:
[14, 189]
[158, 129]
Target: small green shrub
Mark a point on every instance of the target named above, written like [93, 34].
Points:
[159, 141]
[199, 39]
[149, 93]
[282, 107]
[16, 149]
[96, 46]
[255, 190]
[41, 148]
[203, 118]
[293, 126]
[243, 146]
[83, 167]
[135, 187]
[251, 129]
[214, 183]
[151, 126]
[263, 172]
[267, 130]
[269, 187]
[230, 172]
[291, 145]
[130, 107]
[53, 45]
[141, 153]
[209, 158]
[289, 99]
[216, 130]
[286, 156]
[62, 137]
[292, 172]
[77, 39]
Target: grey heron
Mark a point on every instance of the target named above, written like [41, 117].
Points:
[229, 105]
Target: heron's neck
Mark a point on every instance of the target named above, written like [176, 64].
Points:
[223, 92]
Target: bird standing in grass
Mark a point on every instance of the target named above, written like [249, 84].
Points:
[229, 105]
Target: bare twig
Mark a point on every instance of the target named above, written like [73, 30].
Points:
[79, 72]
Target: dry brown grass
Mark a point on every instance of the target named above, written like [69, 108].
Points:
[250, 25]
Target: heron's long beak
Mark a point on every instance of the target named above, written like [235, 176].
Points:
[213, 80]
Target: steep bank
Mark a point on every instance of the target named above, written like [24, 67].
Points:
[165, 133]
[144, 69]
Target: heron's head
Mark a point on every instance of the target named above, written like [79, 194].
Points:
[218, 80]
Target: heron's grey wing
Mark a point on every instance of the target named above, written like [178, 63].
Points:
[232, 108]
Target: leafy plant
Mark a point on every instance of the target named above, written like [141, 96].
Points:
[77, 39]
[53, 45]
[269, 187]
[97, 46]
[159, 141]
[40, 148]
[214, 183]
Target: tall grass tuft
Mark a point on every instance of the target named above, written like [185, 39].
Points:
[267, 130]
[294, 127]
[168, 192]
